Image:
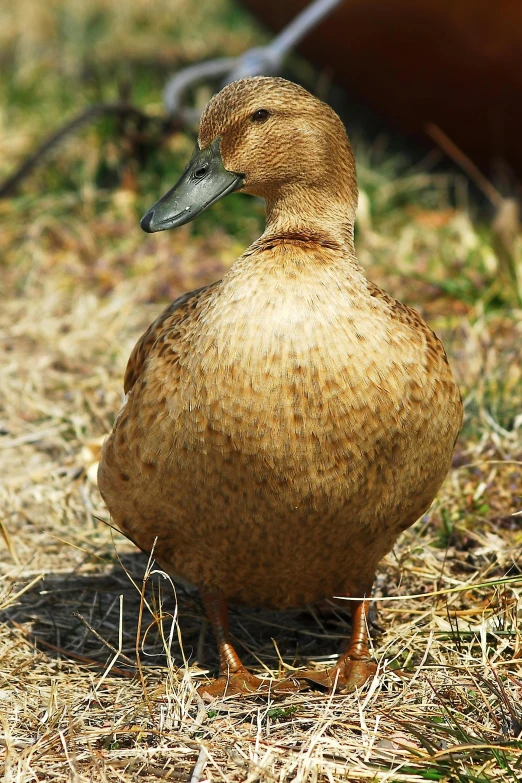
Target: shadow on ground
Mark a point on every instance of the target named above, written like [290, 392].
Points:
[80, 616]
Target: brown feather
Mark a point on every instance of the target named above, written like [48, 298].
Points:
[284, 425]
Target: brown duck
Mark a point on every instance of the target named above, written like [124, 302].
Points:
[283, 425]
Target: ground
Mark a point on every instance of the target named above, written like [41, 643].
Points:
[100, 654]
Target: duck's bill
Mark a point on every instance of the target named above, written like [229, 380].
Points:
[204, 181]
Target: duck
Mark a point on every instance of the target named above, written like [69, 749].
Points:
[282, 426]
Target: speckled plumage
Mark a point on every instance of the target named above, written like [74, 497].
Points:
[283, 425]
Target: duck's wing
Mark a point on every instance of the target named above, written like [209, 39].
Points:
[180, 309]
[411, 318]
[436, 361]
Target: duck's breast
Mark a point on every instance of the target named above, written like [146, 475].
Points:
[296, 414]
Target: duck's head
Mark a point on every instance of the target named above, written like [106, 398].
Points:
[268, 137]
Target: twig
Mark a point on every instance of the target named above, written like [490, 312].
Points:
[117, 652]
[30, 437]
[12, 598]
[465, 163]
[9, 186]
[67, 653]
[100, 638]
[200, 765]
[138, 630]
[446, 591]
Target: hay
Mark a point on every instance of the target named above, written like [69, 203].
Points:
[88, 692]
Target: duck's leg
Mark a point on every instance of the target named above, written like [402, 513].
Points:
[354, 666]
[233, 676]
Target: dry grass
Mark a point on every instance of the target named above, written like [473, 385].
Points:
[91, 692]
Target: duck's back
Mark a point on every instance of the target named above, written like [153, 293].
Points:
[281, 428]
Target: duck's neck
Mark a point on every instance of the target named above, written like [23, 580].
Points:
[304, 211]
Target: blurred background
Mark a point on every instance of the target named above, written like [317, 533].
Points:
[453, 64]
[429, 94]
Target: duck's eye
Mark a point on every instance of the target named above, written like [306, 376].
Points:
[259, 116]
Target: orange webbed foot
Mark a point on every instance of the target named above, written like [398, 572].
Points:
[242, 682]
[347, 676]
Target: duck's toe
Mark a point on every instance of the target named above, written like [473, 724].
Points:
[347, 676]
[242, 682]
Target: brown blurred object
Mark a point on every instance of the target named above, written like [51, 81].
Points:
[455, 63]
